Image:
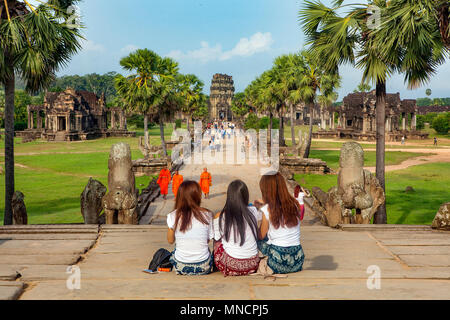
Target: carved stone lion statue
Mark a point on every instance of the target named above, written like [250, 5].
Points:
[357, 189]
[20, 216]
[120, 202]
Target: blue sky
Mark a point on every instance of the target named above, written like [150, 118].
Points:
[237, 37]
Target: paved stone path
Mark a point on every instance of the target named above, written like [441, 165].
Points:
[413, 260]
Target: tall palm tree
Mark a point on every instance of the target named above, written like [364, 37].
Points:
[35, 41]
[168, 95]
[316, 81]
[139, 89]
[378, 51]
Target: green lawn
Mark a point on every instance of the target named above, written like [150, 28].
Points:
[331, 157]
[430, 182]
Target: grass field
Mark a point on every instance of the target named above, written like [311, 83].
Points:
[430, 182]
[53, 175]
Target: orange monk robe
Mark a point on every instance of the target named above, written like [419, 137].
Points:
[177, 180]
[164, 180]
[205, 182]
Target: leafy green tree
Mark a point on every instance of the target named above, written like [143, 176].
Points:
[35, 42]
[191, 90]
[441, 124]
[239, 106]
[201, 108]
[363, 87]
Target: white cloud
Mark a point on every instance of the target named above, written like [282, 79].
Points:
[204, 54]
[259, 42]
[89, 45]
[129, 48]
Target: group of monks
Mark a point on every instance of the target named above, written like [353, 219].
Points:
[165, 178]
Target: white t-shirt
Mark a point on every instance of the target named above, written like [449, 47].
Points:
[192, 245]
[300, 197]
[283, 236]
[249, 248]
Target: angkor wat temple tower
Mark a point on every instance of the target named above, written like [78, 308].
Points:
[221, 96]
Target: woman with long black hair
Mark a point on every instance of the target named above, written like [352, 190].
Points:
[236, 233]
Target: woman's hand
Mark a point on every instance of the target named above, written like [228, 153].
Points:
[258, 204]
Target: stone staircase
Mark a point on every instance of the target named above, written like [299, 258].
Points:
[60, 136]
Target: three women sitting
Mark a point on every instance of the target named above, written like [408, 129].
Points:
[235, 230]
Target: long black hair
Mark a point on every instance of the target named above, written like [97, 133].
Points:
[237, 213]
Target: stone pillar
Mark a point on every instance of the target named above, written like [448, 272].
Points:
[403, 122]
[29, 119]
[414, 122]
[39, 120]
[386, 125]
[344, 121]
[122, 122]
[113, 119]
[411, 122]
[67, 123]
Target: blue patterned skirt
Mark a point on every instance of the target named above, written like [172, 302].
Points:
[192, 269]
[283, 260]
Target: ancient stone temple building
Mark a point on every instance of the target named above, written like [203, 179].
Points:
[221, 96]
[356, 118]
[73, 115]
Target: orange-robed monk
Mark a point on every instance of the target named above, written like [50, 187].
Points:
[163, 181]
[205, 182]
[177, 180]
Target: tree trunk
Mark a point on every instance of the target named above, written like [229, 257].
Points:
[269, 138]
[380, 215]
[308, 145]
[9, 149]
[293, 125]
[188, 124]
[161, 131]
[147, 144]
[282, 141]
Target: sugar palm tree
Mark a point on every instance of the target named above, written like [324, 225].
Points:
[315, 81]
[378, 51]
[140, 89]
[35, 41]
[167, 96]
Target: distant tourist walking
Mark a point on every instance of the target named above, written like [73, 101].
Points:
[435, 141]
[205, 182]
[403, 140]
[163, 181]
[190, 228]
[280, 227]
[299, 194]
[236, 233]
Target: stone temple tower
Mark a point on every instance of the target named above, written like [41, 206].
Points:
[221, 96]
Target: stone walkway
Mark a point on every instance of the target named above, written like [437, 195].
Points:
[414, 264]
[413, 260]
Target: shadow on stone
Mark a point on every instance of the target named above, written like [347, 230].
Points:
[323, 263]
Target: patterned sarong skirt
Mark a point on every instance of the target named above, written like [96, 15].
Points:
[192, 269]
[283, 260]
[230, 266]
